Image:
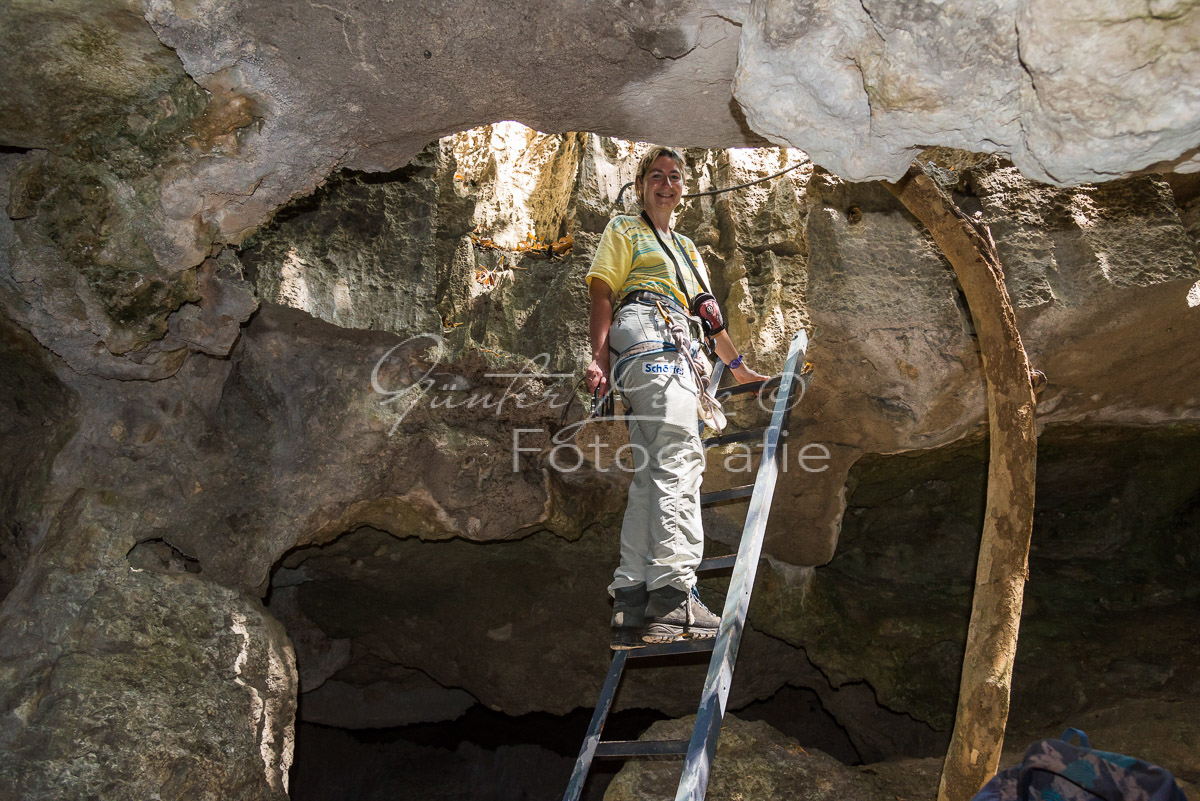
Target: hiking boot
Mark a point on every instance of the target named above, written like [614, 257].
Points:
[629, 617]
[673, 614]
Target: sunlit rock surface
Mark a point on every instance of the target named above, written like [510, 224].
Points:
[1102, 276]
[1070, 91]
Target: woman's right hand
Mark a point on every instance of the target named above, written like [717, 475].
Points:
[596, 377]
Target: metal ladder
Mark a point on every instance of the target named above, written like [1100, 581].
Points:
[699, 751]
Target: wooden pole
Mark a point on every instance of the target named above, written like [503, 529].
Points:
[1003, 565]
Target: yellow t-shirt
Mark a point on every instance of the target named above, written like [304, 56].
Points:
[629, 258]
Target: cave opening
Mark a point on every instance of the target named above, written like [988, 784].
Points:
[481, 755]
[491, 756]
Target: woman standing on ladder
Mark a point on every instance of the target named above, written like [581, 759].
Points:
[651, 276]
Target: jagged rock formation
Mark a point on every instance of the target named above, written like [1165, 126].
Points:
[234, 371]
[1069, 92]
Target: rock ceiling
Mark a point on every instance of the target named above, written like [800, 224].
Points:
[1069, 91]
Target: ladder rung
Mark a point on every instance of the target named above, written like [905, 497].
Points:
[669, 648]
[741, 389]
[717, 563]
[739, 436]
[709, 498]
[618, 749]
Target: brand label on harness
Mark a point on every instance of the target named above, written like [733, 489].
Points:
[661, 368]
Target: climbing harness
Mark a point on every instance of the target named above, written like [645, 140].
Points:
[703, 308]
[709, 409]
[706, 313]
[648, 347]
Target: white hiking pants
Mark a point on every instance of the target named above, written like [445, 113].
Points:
[662, 539]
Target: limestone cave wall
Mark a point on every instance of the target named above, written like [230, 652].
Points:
[285, 339]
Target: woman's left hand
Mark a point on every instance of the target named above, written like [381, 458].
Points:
[745, 375]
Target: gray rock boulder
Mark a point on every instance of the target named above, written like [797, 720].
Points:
[1069, 94]
[120, 682]
[755, 760]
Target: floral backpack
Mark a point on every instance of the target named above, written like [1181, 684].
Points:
[1057, 770]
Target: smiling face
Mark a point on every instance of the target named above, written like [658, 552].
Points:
[661, 187]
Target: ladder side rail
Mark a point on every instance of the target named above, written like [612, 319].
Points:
[694, 782]
[588, 751]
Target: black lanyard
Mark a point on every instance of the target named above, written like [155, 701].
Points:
[675, 263]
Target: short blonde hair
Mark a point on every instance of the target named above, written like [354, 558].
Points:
[653, 155]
